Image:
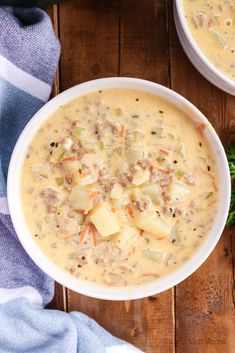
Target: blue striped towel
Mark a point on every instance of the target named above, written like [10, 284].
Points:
[29, 53]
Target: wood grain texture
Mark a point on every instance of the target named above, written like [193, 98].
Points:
[128, 38]
[205, 319]
[137, 38]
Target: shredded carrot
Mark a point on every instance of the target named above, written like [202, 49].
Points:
[83, 175]
[84, 232]
[165, 152]
[130, 210]
[124, 267]
[93, 195]
[74, 122]
[121, 133]
[72, 158]
[93, 232]
[151, 165]
[113, 209]
[65, 236]
[164, 171]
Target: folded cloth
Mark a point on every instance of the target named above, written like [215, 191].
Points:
[29, 53]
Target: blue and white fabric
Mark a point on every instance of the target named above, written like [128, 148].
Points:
[29, 54]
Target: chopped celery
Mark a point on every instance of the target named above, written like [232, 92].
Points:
[57, 155]
[118, 111]
[101, 145]
[59, 181]
[160, 160]
[172, 137]
[159, 132]
[179, 173]
[209, 194]
[155, 255]
[79, 132]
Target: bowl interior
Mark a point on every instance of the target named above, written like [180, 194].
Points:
[208, 65]
[91, 289]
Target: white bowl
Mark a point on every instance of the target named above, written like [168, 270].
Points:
[195, 54]
[91, 289]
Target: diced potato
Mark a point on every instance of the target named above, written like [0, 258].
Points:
[105, 221]
[116, 192]
[152, 223]
[141, 176]
[89, 146]
[175, 235]
[88, 159]
[80, 200]
[89, 179]
[178, 192]
[135, 153]
[134, 194]
[124, 238]
[154, 192]
[72, 168]
[57, 155]
[68, 142]
[155, 255]
[80, 218]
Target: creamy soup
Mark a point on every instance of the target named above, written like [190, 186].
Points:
[116, 187]
[212, 24]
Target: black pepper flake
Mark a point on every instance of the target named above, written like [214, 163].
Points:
[52, 144]
[160, 112]
[56, 144]
[173, 215]
[56, 131]
[173, 241]
[100, 91]
[208, 168]
[50, 152]
[58, 226]
[194, 229]
[36, 235]
[200, 144]
[137, 99]
[153, 132]
[175, 161]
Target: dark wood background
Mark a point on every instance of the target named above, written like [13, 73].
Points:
[137, 38]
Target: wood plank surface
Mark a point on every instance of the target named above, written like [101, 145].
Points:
[137, 38]
[108, 38]
[204, 302]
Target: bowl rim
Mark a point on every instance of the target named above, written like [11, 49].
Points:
[60, 275]
[180, 11]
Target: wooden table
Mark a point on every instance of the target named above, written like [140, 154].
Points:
[137, 38]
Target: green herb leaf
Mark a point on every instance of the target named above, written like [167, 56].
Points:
[231, 163]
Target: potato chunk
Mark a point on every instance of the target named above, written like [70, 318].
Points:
[178, 192]
[154, 192]
[105, 221]
[125, 237]
[80, 200]
[152, 223]
[134, 153]
[141, 176]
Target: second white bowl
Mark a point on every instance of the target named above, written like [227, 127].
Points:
[196, 56]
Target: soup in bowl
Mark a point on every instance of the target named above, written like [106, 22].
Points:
[115, 188]
[206, 31]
